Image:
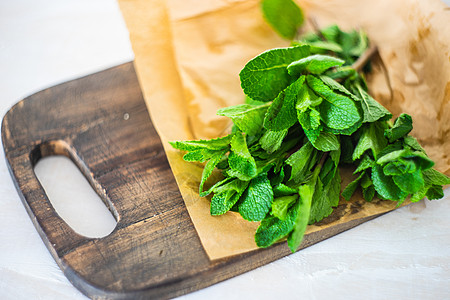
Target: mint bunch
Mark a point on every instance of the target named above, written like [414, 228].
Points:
[308, 112]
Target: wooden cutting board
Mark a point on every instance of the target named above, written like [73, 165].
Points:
[102, 124]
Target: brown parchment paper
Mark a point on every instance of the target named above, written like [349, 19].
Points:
[188, 55]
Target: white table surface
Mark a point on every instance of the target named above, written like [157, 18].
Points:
[402, 255]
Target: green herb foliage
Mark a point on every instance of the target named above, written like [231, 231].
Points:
[306, 112]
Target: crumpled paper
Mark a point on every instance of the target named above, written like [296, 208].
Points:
[188, 55]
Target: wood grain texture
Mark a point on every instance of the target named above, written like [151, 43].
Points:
[154, 252]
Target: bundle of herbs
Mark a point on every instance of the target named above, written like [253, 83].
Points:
[307, 112]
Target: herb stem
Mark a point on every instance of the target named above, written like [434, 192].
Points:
[363, 59]
[316, 27]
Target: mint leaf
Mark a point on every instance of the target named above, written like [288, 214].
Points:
[420, 159]
[307, 99]
[200, 155]
[247, 117]
[301, 161]
[214, 144]
[321, 46]
[242, 164]
[315, 64]
[385, 186]
[265, 76]
[413, 143]
[409, 182]
[325, 198]
[400, 166]
[347, 131]
[306, 192]
[281, 189]
[284, 16]
[273, 229]
[208, 169]
[368, 188]
[365, 163]
[326, 142]
[338, 111]
[373, 111]
[435, 192]
[310, 121]
[350, 189]
[336, 86]
[433, 182]
[431, 176]
[281, 114]
[271, 140]
[257, 199]
[280, 206]
[226, 195]
[402, 126]
[372, 138]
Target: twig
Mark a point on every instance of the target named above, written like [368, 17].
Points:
[363, 59]
[386, 77]
[316, 27]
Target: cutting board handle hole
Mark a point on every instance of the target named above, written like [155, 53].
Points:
[73, 198]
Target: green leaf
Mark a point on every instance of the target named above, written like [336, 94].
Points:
[310, 122]
[281, 114]
[431, 176]
[416, 197]
[214, 144]
[273, 229]
[271, 140]
[409, 182]
[201, 155]
[336, 86]
[413, 143]
[265, 76]
[326, 142]
[346, 131]
[208, 169]
[300, 161]
[247, 117]
[338, 111]
[385, 186]
[281, 205]
[331, 33]
[367, 187]
[242, 164]
[402, 126]
[281, 189]
[421, 161]
[306, 192]
[435, 192]
[306, 99]
[276, 179]
[325, 198]
[226, 196]
[432, 189]
[347, 148]
[399, 167]
[284, 16]
[365, 163]
[373, 111]
[350, 189]
[322, 46]
[257, 199]
[315, 64]
[372, 138]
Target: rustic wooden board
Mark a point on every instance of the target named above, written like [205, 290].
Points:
[154, 252]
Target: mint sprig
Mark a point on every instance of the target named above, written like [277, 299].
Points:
[307, 112]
